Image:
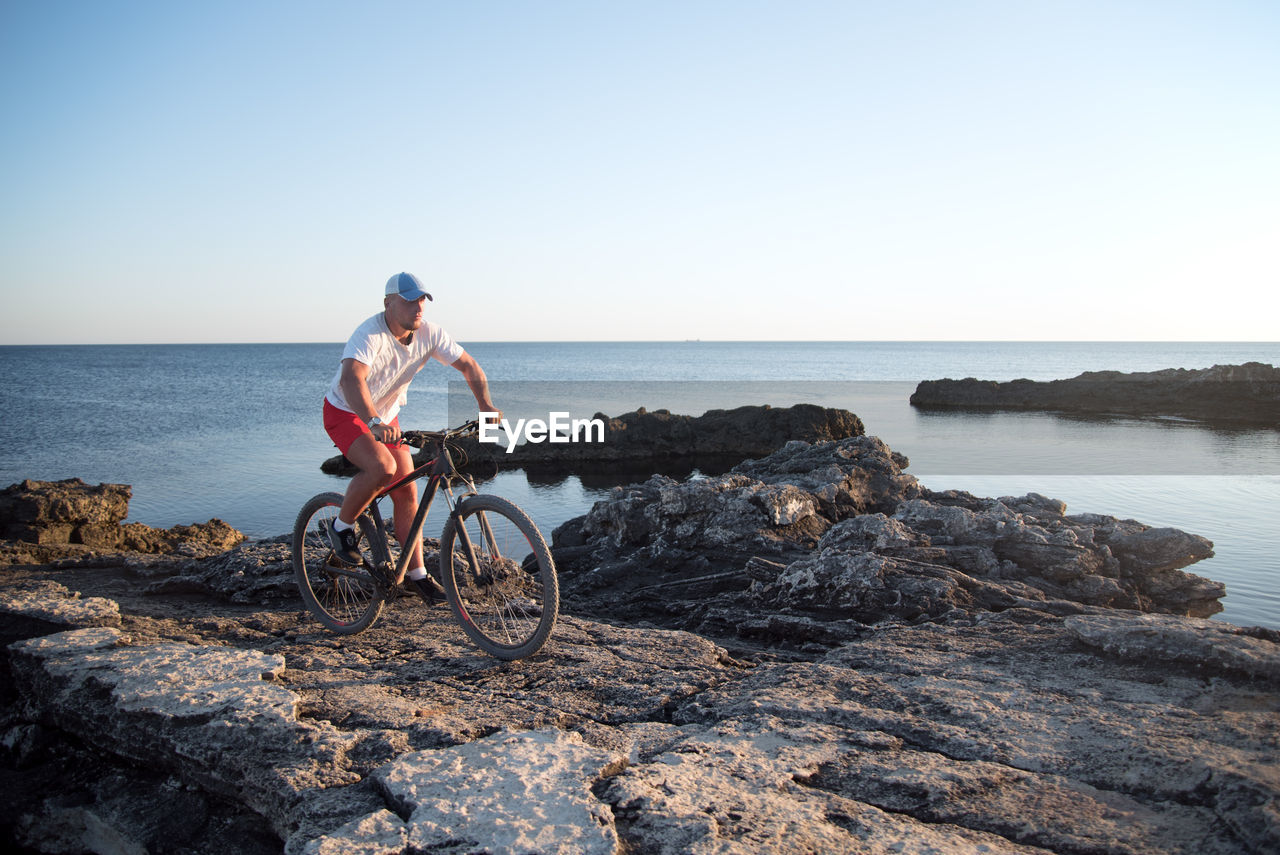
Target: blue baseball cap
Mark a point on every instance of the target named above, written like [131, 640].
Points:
[406, 285]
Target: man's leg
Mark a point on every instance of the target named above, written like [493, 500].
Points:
[378, 466]
[406, 508]
[405, 500]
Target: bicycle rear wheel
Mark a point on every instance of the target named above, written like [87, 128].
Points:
[345, 599]
[504, 590]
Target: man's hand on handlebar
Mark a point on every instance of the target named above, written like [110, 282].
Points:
[387, 433]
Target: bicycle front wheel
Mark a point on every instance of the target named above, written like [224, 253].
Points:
[499, 577]
[344, 598]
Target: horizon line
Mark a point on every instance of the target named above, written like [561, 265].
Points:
[338, 342]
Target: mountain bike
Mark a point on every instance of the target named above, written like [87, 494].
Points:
[496, 570]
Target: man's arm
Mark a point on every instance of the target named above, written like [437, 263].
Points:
[355, 390]
[479, 384]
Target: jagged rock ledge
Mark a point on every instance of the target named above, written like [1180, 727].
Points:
[1247, 394]
[780, 547]
[649, 437]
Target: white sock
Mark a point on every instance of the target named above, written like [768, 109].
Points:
[417, 573]
[339, 525]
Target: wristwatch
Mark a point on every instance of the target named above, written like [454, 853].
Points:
[375, 421]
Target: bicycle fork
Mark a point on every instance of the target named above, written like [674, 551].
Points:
[459, 525]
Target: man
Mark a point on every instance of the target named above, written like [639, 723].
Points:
[361, 408]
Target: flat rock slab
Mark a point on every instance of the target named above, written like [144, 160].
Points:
[748, 786]
[1021, 732]
[1165, 638]
[211, 714]
[38, 606]
[511, 792]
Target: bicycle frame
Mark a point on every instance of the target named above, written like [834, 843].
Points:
[439, 469]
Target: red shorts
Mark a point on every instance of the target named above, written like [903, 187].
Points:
[345, 428]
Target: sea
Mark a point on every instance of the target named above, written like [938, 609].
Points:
[234, 431]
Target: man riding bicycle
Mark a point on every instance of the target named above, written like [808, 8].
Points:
[360, 413]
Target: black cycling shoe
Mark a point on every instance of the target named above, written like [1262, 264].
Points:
[427, 588]
[346, 544]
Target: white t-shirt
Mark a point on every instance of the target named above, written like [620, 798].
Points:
[392, 365]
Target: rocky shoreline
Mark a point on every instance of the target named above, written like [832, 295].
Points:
[1247, 394]
[809, 653]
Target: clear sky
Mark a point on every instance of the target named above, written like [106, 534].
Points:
[599, 170]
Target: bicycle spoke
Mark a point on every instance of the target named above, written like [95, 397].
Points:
[345, 599]
[504, 588]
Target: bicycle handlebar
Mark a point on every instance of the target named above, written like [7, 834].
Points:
[423, 438]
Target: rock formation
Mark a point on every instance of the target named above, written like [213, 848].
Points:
[44, 520]
[660, 435]
[59, 512]
[838, 531]
[877, 668]
[1246, 394]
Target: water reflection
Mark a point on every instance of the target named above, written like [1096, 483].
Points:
[1062, 444]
